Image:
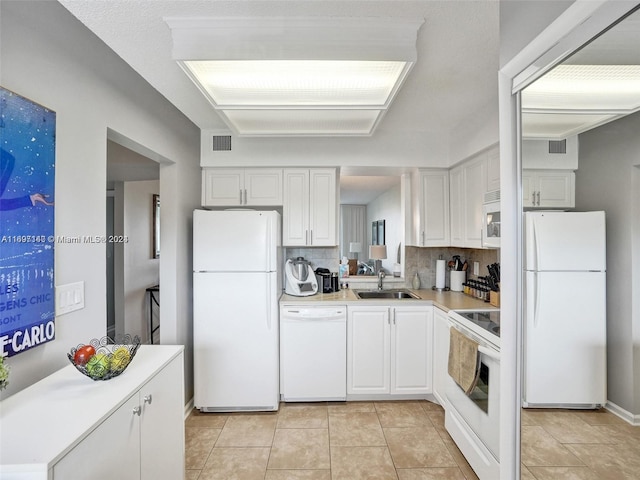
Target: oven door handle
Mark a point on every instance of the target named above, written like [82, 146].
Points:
[489, 352]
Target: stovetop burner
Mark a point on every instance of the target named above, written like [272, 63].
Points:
[484, 323]
[488, 320]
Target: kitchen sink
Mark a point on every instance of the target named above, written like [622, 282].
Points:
[397, 294]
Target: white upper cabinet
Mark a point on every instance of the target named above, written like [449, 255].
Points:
[475, 186]
[241, 186]
[468, 183]
[456, 205]
[309, 213]
[548, 189]
[432, 200]
[493, 169]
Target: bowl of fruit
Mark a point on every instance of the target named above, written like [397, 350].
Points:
[104, 358]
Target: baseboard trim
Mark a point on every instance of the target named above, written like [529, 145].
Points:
[188, 408]
[623, 414]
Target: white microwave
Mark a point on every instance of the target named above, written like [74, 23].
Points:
[491, 224]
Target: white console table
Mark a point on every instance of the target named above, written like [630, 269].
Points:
[68, 426]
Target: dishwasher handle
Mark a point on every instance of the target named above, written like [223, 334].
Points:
[311, 314]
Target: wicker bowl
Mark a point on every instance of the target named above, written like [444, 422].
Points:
[112, 357]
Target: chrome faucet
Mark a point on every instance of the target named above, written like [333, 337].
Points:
[380, 277]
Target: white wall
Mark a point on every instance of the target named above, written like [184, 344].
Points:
[50, 58]
[141, 270]
[410, 149]
[608, 180]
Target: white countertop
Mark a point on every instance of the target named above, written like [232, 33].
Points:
[444, 300]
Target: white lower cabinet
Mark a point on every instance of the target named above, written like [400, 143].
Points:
[128, 428]
[389, 350]
[112, 450]
[440, 354]
[142, 439]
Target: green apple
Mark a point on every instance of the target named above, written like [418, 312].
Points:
[98, 365]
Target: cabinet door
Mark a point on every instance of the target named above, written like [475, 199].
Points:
[456, 210]
[548, 188]
[368, 350]
[411, 341]
[528, 189]
[222, 187]
[475, 181]
[556, 189]
[440, 354]
[295, 210]
[111, 451]
[493, 169]
[322, 207]
[435, 229]
[162, 424]
[263, 186]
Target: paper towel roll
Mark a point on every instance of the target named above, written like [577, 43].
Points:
[440, 266]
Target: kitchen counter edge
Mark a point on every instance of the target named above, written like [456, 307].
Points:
[443, 300]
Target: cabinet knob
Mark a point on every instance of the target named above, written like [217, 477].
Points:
[147, 399]
[137, 410]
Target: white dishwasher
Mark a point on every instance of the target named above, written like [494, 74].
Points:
[313, 353]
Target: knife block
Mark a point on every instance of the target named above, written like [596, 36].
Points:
[494, 298]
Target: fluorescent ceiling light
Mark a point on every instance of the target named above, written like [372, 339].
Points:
[297, 82]
[572, 99]
[294, 76]
[303, 122]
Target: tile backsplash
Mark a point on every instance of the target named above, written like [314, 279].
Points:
[417, 259]
[423, 261]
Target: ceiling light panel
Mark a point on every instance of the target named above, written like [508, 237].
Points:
[297, 75]
[303, 122]
[586, 87]
[287, 83]
[559, 125]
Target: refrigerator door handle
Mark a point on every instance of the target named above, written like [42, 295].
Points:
[536, 245]
[532, 295]
[269, 312]
[536, 305]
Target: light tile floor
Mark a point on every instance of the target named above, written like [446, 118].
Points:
[404, 440]
[578, 445]
[325, 441]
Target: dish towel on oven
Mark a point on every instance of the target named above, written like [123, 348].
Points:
[464, 366]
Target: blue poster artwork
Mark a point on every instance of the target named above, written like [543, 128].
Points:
[27, 181]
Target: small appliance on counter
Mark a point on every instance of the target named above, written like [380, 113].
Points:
[323, 276]
[300, 281]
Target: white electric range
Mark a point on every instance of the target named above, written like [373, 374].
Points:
[473, 420]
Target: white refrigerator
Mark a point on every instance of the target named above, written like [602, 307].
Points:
[236, 287]
[565, 309]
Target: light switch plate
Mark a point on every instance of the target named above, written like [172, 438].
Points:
[69, 297]
[476, 268]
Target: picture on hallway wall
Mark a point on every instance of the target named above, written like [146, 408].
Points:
[27, 237]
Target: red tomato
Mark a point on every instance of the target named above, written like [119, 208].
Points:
[83, 354]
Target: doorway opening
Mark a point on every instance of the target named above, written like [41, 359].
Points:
[133, 264]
